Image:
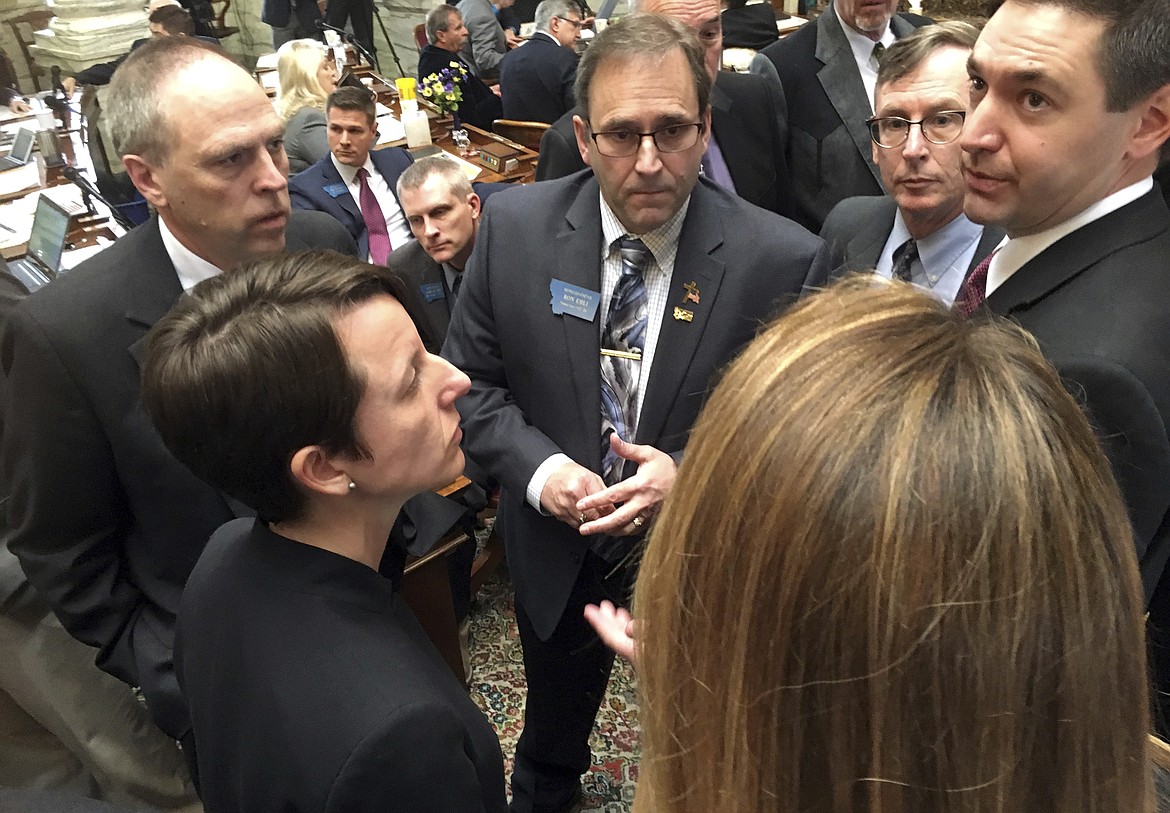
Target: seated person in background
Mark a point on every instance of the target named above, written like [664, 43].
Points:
[487, 41]
[310, 683]
[446, 34]
[354, 183]
[937, 609]
[749, 25]
[918, 232]
[536, 81]
[9, 96]
[307, 74]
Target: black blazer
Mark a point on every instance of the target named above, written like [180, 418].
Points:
[751, 26]
[537, 80]
[829, 147]
[480, 106]
[749, 122]
[106, 523]
[535, 378]
[1096, 302]
[312, 688]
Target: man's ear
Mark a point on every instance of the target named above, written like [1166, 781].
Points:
[145, 177]
[314, 469]
[581, 130]
[1153, 128]
[474, 202]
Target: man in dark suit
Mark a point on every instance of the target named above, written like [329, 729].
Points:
[828, 70]
[1084, 268]
[536, 81]
[749, 129]
[917, 233]
[653, 290]
[359, 14]
[446, 34]
[355, 183]
[291, 19]
[106, 523]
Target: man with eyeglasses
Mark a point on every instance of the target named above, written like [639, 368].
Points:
[536, 80]
[918, 232]
[590, 351]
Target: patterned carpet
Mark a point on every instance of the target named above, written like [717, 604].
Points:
[497, 685]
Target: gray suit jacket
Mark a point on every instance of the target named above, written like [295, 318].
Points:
[857, 229]
[306, 139]
[535, 375]
[829, 148]
[486, 44]
[427, 297]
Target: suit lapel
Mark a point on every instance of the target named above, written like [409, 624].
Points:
[155, 292]
[346, 201]
[843, 85]
[988, 241]
[579, 263]
[702, 234]
[1068, 257]
[865, 249]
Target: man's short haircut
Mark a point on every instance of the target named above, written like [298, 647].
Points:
[645, 37]
[175, 20]
[1134, 54]
[439, 19]
[244, 343]
[347, 98]
[420, 172]
[554, 8]
[907, 54]
[133, 108]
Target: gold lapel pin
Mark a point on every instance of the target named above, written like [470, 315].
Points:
[683, 315]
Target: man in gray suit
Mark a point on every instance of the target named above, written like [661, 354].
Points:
[487, 41]
[828, 70]
[581, 406]
[917, 233]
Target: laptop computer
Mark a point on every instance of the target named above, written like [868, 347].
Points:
[45, 245]
[22, 148]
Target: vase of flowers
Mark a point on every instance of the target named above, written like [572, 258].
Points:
[444, 89]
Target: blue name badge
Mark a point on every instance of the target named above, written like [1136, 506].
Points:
[432, 291]
[575, 301]
[336, 190]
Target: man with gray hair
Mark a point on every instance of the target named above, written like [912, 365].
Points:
[918, 232]
[446, 35]
[536, 81]
[105, 522]
[580, 407]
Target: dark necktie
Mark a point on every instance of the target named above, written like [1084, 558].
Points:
[974, 290]
[624, 333]
[904, 258]
[878, 50]
[455, 287]
[375, 221]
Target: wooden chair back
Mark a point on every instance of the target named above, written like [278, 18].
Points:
[23, 27]
[527, 133]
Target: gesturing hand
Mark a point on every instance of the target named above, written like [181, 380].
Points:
[626, 507]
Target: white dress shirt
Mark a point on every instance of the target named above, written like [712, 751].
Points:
[943, 257]
[191, 268]
[862, 48]
[1015, 253]
[396, 225]
[663, 246]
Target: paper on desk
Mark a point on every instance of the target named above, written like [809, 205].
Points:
[16, 180]
[390, 129]
[791, 24]
[266, 61]
[382, 110]
[469, 169]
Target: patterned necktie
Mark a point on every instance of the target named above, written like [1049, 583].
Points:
[904, 258]
[878, 50]
[625, 331]
[974, 290]
[375, 221]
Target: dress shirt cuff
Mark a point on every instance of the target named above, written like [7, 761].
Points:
[540, 477]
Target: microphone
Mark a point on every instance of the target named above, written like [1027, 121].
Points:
[346, 37]
[88, 190]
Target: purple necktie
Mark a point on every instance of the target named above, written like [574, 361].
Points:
[974, 290]
[375, 221]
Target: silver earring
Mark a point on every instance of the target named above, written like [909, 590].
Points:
[352, 485]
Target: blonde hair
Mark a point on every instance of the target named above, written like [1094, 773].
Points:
[894, 574]
[297, 63]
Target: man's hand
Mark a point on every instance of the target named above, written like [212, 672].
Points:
[565, 487]
[512, 38]
[18, 105]
[70, 85]
[615, 627]
[640, 497]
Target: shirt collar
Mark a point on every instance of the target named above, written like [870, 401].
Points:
[190, 267]
[861, 45]
[550, 37]
[939, 249]
[662, 242]
[348, 173]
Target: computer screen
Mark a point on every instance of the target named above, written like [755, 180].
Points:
[47, 241]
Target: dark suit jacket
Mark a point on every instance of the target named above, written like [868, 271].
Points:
[308, 190]
[829, 147]
[535, 376]
[537, 80]
[106, 524]
[277, 13]
[313, 688]
[1096, 303]
[857, 229]
[749, 26]
[749, 122]
[480, 106]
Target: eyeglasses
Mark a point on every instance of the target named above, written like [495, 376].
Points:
[937, 128]
[574, 23]
[671, 138]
